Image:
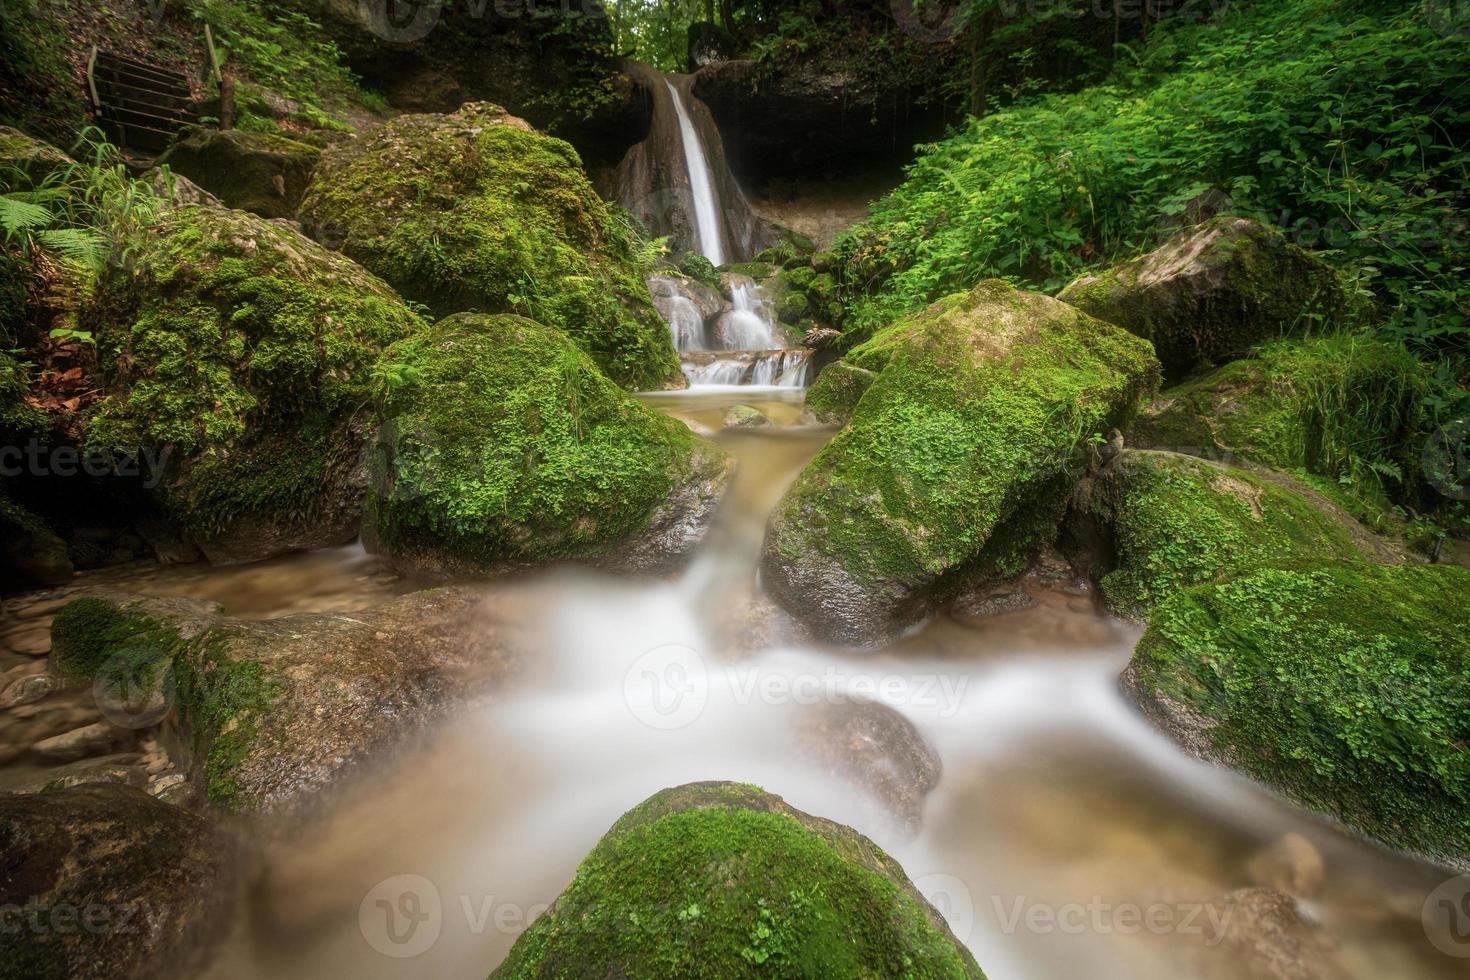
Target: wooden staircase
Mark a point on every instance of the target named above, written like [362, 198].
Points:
[141, 107]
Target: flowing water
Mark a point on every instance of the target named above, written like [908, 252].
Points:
[706, 204]
[1053, 795]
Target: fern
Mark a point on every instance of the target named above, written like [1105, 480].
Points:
[18, 217]
[85, 247]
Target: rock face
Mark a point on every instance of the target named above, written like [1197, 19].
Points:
[721, 879]
[277, 711]
[107, 882]
[833, 397]
[831, 115]
[476, 211]
[255, 172]
[1344, 408]
[1159, 522]
[236, 355]
[508, 447]
[957, 461]
[32, 555]
[37, 158]
[1342, 687]
[1214, 291]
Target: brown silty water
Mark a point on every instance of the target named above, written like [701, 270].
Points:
[992, 755]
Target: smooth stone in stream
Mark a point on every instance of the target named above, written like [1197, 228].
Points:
[745, 417]
[1292, 865]
[93, 739]
[877, 749]
[29, 690]
[34, 642]
[123, 886]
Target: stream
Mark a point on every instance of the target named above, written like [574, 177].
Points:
[1053, 796]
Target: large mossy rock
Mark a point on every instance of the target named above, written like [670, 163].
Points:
[476, 211]
[275, 712]
[256, 172]
[723, 880]
[1341, 686]
[35, 158]
[1350, 410]
[244, 349]
[1160, 522]
[506, 446]
[1214, 291]
[106, 883]
[957, 461]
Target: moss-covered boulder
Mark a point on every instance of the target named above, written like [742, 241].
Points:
[723, 880]
[275, 712]
[34, 158]
[257, 172]
[104, 882]
[503, 445]
[957, 461]
[476, 211]
[242, 349]
[1341, 686]
[1160, 522]
[1350, 410]
[833, 397]
[1214, 291]
[31, 554]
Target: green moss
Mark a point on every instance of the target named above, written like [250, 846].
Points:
[220, 700]
[258, 172]
[723, 880]
[981, 402]
[1342, 686]
[467, 213]
[1348, 409]
[40, 92]
[246, 348]
[833, 397]
[1175, 521]
[504, 443]
[700, 269]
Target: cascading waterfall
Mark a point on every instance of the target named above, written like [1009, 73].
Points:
[676, 183]
[706, 213]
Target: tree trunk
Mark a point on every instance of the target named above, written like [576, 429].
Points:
[709, 12]
[980, 31]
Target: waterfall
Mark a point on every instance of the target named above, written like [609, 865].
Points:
[750, 325]
[706, 213]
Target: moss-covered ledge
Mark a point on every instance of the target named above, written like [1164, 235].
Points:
[1344, 687]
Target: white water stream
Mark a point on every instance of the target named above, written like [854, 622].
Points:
[1055, 798]
[701, 188]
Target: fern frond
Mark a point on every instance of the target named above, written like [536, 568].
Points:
[83, 246]
[17, 216]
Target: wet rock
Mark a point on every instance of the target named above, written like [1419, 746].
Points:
[258, 172]
[955, 461]
[35, 159]
[878, 749]
[104, 882]
[1055, 573]
[1264, 937]
[113, 770]
[94, 739]
[985, 601]
[1214, 291]
[688, 866]
[278, 711]
[821, 338]
[29, 690]
[1292, 865]
[745, 417]
[33, 642]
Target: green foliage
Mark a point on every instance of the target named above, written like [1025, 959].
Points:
[288, 53]
[1338, 120]
[504, 443]
[1342, 686]
[39, 90]
[721, 880]
[1351, 411]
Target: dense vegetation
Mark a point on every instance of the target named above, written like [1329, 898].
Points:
[1342, 122]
